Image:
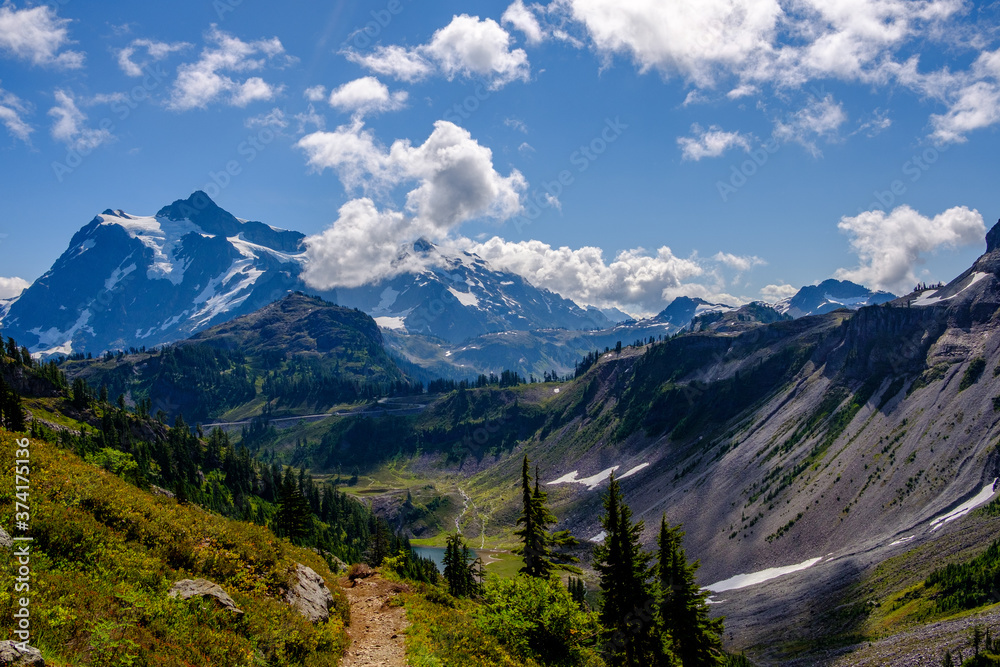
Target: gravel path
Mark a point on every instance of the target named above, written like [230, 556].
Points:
[377, 629]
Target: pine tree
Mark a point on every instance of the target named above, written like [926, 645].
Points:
[294, 519]
[540, 559]
[627, 613]
[683, 610]
[457, 573]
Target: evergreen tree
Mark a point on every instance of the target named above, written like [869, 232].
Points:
[683, 610]
[542, 551]
[293, 520]
[627, 613]
[457, 572]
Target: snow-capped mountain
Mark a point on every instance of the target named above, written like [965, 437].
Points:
[830, 295]
[683, 309]
[459, 297]
[141, 281]
[132, 281]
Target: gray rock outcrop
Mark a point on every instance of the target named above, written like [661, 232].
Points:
[309, 594]
[189, 588]
[12, 656]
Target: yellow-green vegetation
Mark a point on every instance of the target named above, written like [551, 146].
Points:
[105, 553]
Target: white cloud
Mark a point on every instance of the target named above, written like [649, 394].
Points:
[820, 119]
[367, 95]
[890, 246]
[695, 39]
[155, 51]
[361, 246]
[739, 263]
[254, 89]
[200, 83]
[315, 93]
[455, 177]
[524, 20]
[275, 118]
[975, 100]
[712, 142]
[68, 126]
[36, 34]
[634, 280]
[466, 47]
[12, 112]
[776, 293]
[11, 287]
[516, 124]
[310, 117]
[395, 61]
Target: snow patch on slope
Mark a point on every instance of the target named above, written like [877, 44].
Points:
[983, 497]
[465, 298]
[163, 237]
[754, 578]
[54, 341]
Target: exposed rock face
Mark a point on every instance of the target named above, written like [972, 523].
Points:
[12, 656]
[189, 588]
[309, 594]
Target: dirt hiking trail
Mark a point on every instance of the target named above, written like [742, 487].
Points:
[377, 629]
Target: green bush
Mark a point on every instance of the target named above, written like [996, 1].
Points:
[538, 619]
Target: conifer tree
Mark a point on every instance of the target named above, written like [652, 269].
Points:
[458, 574]
[627, 613]
[294, 517]
[542, 551]
[683, 610]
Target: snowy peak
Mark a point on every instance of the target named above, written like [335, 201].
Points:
[456, 296]
[130, 280]
[830, 295]
[683, 309]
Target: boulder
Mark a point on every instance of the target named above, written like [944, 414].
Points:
[11, 655]
[6, 541]
[189, 588]
[309, 594]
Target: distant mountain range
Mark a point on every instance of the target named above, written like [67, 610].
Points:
[129, 281]
[141, 281]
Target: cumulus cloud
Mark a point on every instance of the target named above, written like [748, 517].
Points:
[820, 119]
[712, 142]
[367, 95]
[975, 101]
[11, 287]
[741, 263]
[633, 280]
[395, 61]
[695, 40]
[776, 293]
[155, 51]
[890, 246]
[315, 93]
[361, 246]
[69, 127]
[454, 174]
[524, 20]
[12, 112]
[38, 35]
[211, 77]
[450, 177]
[466, 47]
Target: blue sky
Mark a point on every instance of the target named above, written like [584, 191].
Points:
[729, 149]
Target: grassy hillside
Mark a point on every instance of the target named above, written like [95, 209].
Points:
[300, 354]
[105, 553]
